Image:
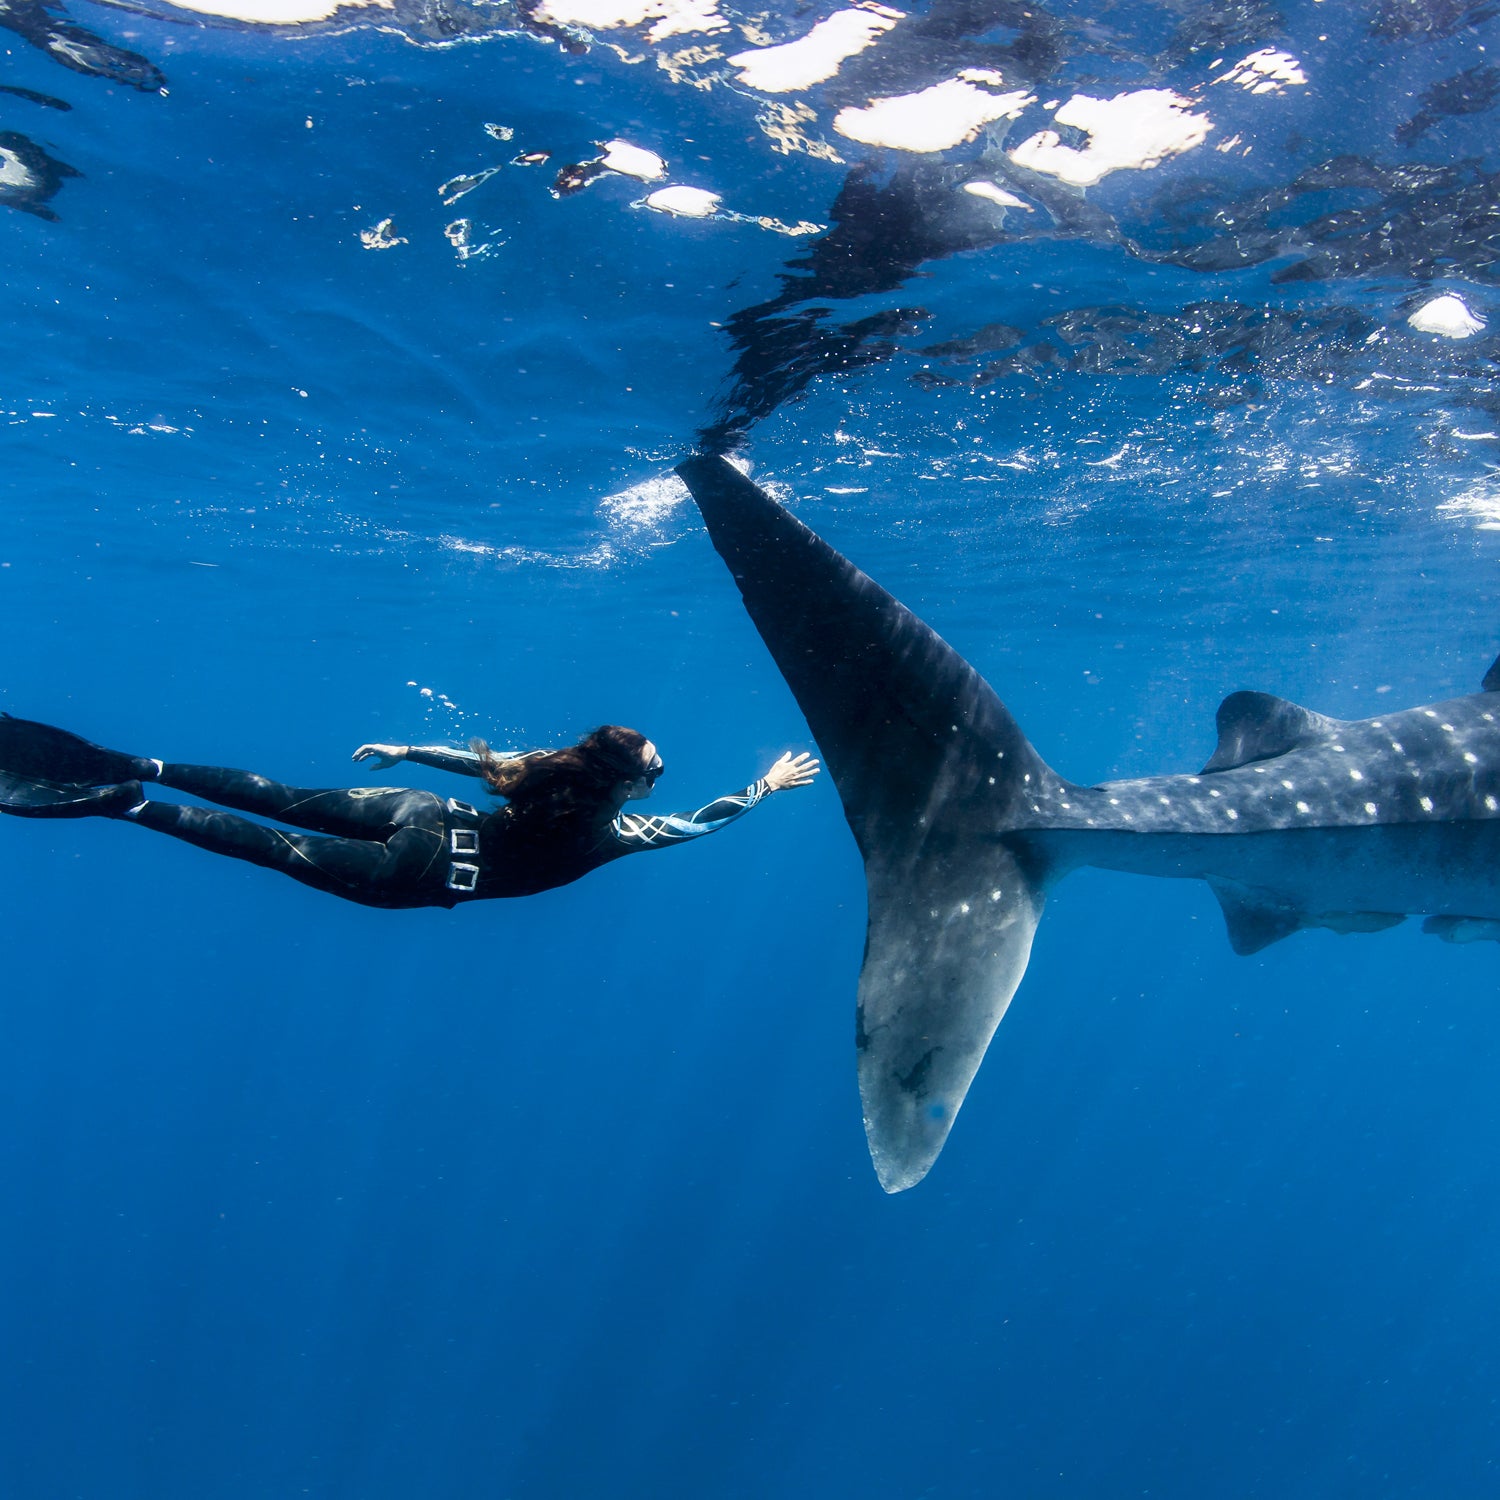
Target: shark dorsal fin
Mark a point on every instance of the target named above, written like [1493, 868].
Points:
[1256, 726]
[1491, 683]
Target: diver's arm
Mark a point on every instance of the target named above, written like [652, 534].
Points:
[446, 758]
[440, 757]
[642, 831]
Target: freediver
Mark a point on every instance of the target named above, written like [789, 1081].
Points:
[564, 812]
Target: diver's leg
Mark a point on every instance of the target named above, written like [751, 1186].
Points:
[354, 812]
[401, 871]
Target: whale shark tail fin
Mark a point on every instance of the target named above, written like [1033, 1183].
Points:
[933, 772]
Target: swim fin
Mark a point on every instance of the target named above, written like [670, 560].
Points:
[23, 797]
[41, 754]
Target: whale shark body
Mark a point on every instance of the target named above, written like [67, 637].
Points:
[1296, 821]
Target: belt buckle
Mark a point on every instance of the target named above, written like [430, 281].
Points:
[463, 841]
[462, 877]
[467, 809]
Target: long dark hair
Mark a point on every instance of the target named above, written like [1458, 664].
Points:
[555, 785]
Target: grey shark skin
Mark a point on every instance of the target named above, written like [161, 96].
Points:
[1296, 821]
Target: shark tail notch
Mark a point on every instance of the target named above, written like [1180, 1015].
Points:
[932, 771]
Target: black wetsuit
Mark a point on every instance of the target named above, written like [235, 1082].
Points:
[398, 847]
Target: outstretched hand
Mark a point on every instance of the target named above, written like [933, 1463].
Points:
[382, 755]
[791, 770]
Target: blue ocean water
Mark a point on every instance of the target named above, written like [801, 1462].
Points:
[570, 1197]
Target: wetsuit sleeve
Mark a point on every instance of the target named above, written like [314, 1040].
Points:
[641, 831]
[445, 758]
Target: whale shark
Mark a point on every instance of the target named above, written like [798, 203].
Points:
[1297, 820]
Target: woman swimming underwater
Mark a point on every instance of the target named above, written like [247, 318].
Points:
[390, 846]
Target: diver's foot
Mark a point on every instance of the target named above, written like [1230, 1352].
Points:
[122, 801]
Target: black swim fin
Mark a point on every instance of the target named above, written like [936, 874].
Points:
[39, 753]
[23, 797]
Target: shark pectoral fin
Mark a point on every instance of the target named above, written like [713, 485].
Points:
[1491, 683]
[1257, 726]
[1254, 919]
[1463, 929]
[948, 942]
[1350, 922]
